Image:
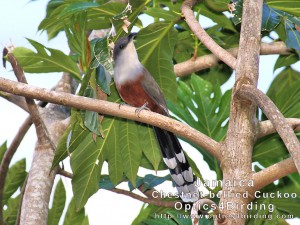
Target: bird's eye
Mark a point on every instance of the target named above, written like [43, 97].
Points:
[121, 46]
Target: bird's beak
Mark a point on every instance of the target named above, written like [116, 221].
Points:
[132, 36]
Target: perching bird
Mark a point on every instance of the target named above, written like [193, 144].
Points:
[138, 88]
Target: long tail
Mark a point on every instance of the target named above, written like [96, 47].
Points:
[178, 165]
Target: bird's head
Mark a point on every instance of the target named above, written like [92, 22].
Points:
[124, 47]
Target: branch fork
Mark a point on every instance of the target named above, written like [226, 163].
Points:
[279, 122]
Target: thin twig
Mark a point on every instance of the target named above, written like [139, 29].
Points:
[7, 158]
[17, 100]
[266, 127]
[149, 200]
[208, 61]
[273, 173]
[205, 203]
[206, 40]
[109, 108]
[64, 173]
[277, 119]
[152, 201]
[42, 132]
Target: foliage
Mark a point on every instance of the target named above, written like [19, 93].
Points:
[198, 100]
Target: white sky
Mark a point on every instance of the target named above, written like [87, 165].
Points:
[20, 19]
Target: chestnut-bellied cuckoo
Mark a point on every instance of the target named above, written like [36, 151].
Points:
[137, 87]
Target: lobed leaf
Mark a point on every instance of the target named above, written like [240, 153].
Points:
[155, 45]
[202, 106]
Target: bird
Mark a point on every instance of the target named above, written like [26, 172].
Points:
[137, 87]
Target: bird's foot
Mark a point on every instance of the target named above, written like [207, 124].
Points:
[138, 110]
[123, 103]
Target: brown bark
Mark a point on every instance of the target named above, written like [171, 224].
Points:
[238, 146]
[36, 198]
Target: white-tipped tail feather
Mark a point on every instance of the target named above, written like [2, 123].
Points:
[180, 170]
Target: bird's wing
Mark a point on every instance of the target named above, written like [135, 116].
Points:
[152, 89]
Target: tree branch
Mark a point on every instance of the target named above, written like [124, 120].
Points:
[7, 159]
[277, 119]
[242, 125]
[152, 201]
[273, 173]
[109, 108]
[149, 200]
[266, 127]
[207, 61]
[17, 100]
[206, 40]
[41, 130]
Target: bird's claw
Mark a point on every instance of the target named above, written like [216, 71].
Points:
[138, 110]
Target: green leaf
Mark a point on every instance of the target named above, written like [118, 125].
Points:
[114, 155]
[218, 18]
[10, 214]
[237, 13]
[98, 16]
[150, 214]
[151, 181]
[160, 221]
[288, 205]
[270, 149]
[77, 136]
[86, 168]
[88, 156]
[270, 19]
[275, 219]
[3, 149]
[201, 105]
[163, 13]
[145, 163]
[284, 92]
[78, 7]
[86, 221]
[155, 45]
[258, 215]
[101, 54]
[131, 152]
[73, 216]
[217, 75]
[292, 34]
[285, 60]
[105, 183]
[78, 40]
[58, 204]
[138, 183]
[143, 214]
[289, 6]
[15, 178]
[45, 60]
[149, 145]
[103, 79]
[91, 119]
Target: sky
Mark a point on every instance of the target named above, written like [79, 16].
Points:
[19, 19]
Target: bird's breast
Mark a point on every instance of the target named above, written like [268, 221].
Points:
[133, 93]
